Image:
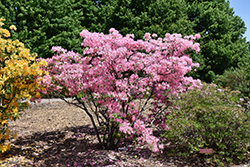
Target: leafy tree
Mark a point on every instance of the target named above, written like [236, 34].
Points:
[222, 42]
[237, 78]
[138, 17]
[42, 24]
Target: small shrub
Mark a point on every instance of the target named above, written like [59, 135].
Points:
[116, 73]
[236, 79]
[19, 76]
[210, 118]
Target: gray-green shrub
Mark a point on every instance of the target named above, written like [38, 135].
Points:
[210, 118]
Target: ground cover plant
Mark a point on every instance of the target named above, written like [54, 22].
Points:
[19, 76]
[210, 118]
[114, 72]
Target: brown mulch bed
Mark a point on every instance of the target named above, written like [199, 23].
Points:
[59, 134]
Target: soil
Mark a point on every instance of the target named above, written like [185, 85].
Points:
[59, 134]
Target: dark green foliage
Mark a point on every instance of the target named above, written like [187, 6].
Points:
[248, 45]
[236, 79]
[139, 16]
[42, 24]
[210, 118]
[222, 43]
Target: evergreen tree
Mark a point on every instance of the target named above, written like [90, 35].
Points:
[222, 42]
[140, 16]
[42, 24]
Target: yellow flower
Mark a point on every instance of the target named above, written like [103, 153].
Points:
[5, 137]
[8, 146]
[14, 136]
[5, 32]
[4, 122]
[8, 131]
[12, 27]
[27, 103]
[2, 19]
[15, 110]
[37, 94]
[19, 65]
[5, 148]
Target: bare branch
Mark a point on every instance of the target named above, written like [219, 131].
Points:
[156, 116]
[143, 108]
[83, 106]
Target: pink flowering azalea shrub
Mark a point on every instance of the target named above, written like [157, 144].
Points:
[116, 73]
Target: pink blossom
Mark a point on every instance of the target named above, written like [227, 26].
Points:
[117, 72]
[197, 36]
[147, 36]
[154, 35]
[126, 128]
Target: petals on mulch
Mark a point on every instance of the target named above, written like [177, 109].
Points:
[60, 135]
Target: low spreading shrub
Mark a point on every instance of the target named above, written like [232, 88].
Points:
[210, 118]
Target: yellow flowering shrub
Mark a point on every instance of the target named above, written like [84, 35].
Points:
[19, 77]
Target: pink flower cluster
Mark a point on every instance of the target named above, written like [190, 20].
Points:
[115, 71]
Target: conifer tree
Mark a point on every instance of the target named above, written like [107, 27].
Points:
[42, 24]
[222, 43]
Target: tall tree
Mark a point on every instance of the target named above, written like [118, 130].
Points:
[42, 24]
[222, 41]
[140, 16]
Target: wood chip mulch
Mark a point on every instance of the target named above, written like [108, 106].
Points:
[58, 134]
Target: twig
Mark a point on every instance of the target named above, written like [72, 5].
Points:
[143, 108]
